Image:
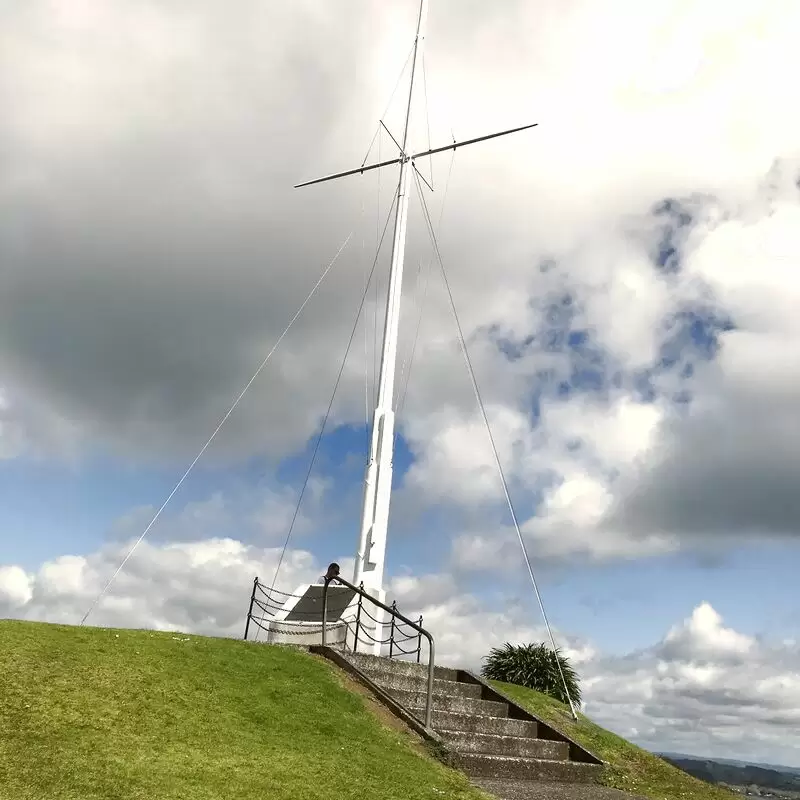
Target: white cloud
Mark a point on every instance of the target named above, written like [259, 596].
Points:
[623, 124]
[618, 434]
[703, 689]
[629, 478]
[201, 586]
[15, 587]
[702, 636]
[457, 463]
[658, 126]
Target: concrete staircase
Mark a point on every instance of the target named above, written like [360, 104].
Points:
[484, 734]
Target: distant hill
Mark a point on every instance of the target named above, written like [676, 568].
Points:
[725, 771]
[735, 762]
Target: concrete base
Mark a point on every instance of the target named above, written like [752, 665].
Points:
[284, 633]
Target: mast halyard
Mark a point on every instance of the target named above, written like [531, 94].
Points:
[370, 557]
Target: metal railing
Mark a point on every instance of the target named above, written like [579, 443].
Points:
[266, 602]
[333, 575]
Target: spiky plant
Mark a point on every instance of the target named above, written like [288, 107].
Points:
[534, 666]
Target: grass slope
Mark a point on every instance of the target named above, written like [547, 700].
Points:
[88, 713]
[629, 767]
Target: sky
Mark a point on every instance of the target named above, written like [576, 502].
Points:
[625, 275]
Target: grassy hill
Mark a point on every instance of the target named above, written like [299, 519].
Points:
[629, 767]
[89, 713]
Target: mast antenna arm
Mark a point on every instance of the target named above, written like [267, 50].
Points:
[454, 145]
[351, 172]
[399, 159]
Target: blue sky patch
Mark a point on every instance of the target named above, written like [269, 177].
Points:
[674, 221]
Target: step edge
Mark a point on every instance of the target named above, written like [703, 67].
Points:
[514, 759]
[503, 736]
[466, 714]
[424, 690]
[435, 694]
[382, 675]
[376, 662]
[476, 699]
[554, 758]
[530, 759]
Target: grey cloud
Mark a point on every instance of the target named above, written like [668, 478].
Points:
[728, 471]
[703, 493]
[153, 248]
[726, 467]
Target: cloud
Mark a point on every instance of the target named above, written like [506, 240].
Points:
[700, 445]
[260, 515]
[15, 587]
[154, 251]
[728, 467]
[703, 637]
[10, 445]
[671, 414]
[703, 688]
[199, 586]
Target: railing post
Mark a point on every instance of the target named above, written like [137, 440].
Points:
[429, 698]
[250, 610]
[333, 572]
[358, 616]
[419, 640]
[325, 612]
[391, 629]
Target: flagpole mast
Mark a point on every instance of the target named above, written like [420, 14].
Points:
[370, 558]
[371, 553]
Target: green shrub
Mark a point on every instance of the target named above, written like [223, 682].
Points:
[534, 666]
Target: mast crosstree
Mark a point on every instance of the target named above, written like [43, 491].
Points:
[370, 557]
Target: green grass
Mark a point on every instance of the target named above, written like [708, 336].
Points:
[629, 767]
[88, 713]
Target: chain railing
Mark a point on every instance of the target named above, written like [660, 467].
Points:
[404, 638]
[270, 601]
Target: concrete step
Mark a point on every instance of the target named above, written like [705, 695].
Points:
[536, 790]
[528, 769]
[369, 664]
[517, 746]
[472, 723]
[412, 683]
[461, 705]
